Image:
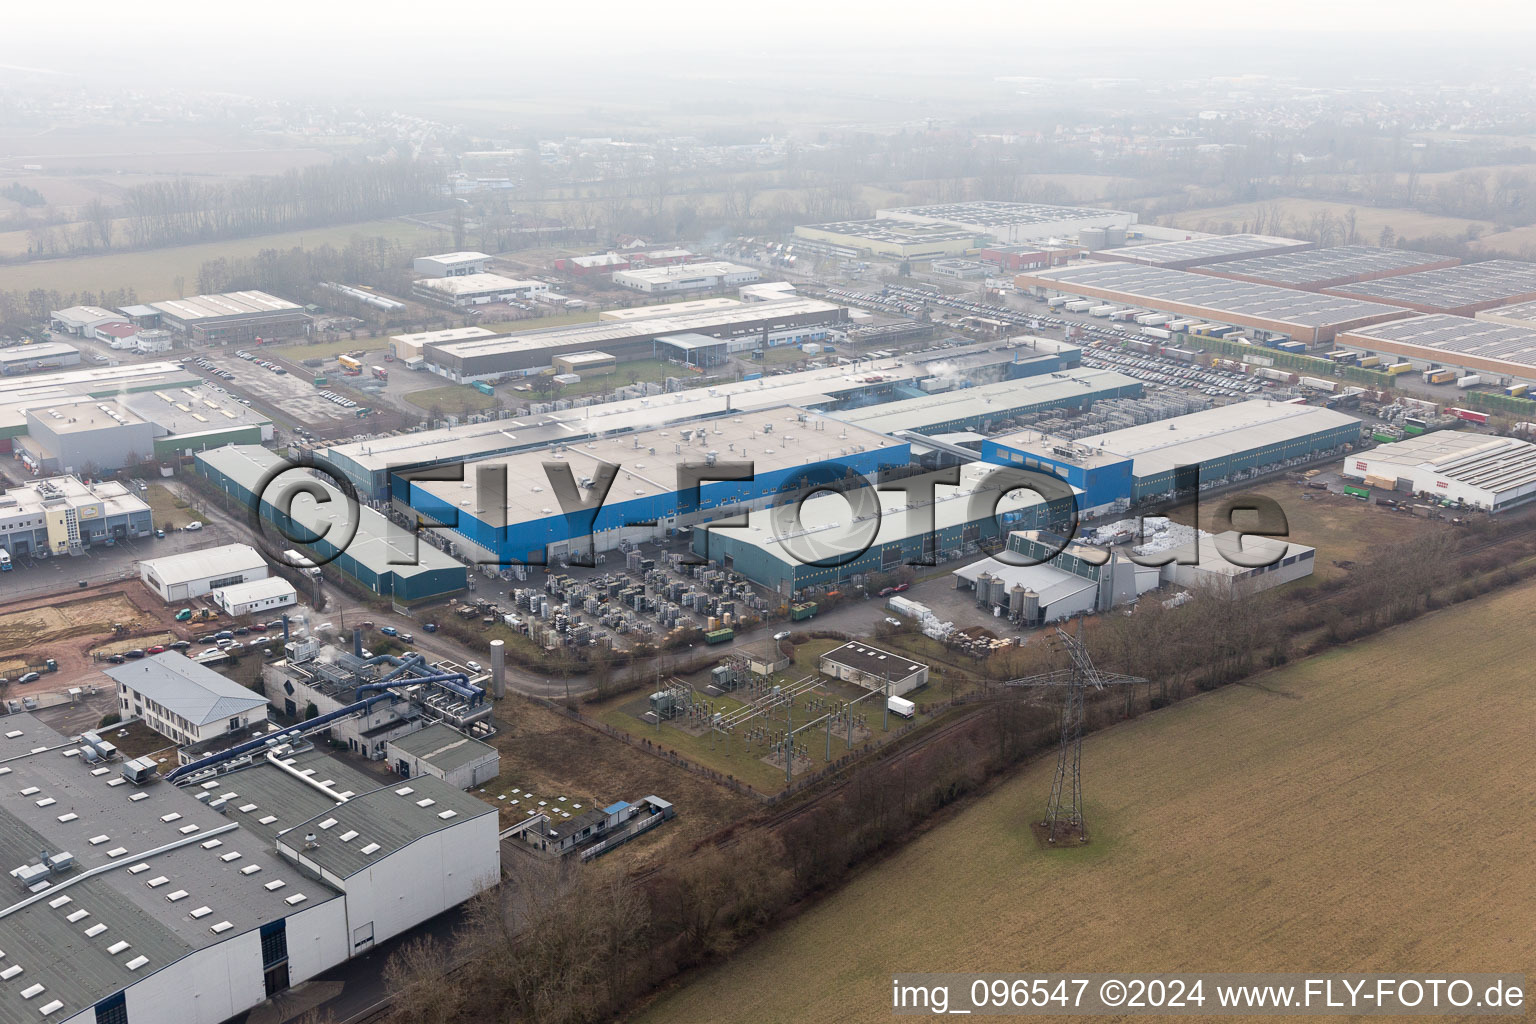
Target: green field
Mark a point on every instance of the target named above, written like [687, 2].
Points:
[1366, 810]
[153, 274]
[453, 400]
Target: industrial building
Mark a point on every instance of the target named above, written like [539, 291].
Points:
[1152, 459]
[81, 321]
[588, 364]
[19, 395]
[84, 436]
[893, 239]
[47, 355]
[1018, 222]
[862, 665]
[985, 406]
[686, 277]
[1483, 471]
[602, 263]
[476, 289]
[383, 557]
[370, 465]
[711, 304]
[830, 541]
[1041, 578]
[192, 574]
[1520, 314]
[409, 695]
[445, 753]
[232, 317]
[505, 509]
[1312, 269]
[406, 347]
[62, 516]
[533, 351]
[255, 597]
[1442, 340]
[141, 901]
[1461, 290]
[1014, 258]
[1309, 317]
[452, 264]
[184, 701]
[1195, 252]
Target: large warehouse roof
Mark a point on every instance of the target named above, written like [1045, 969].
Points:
[1466, 288]
[206, 563]
[1439, 337]
[771, 439]
[212, 307]
[991, 213]
[1214, 296]
[990, 400]
[1488, 471]
[1320, 268]
[894, 231]
[1521, 314]
[1193, 251]
[476, 284]
[1205, 436]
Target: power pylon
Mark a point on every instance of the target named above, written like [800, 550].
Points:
[1063, 819]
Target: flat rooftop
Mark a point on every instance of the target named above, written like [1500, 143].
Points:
[39, 350]
[1319, 268]
[474, 284]
[1151, 286]
[597, 334]
[443, 746]
[1213, 249]
[894, 231]
[191, 410]
[116, 496]
[861, 657]
[1517, 311]
[441, 337]
[1487, 284]
[997, 214]
[456, 257]
[984, 400]
[771, 439]
[685, 271]
[1203, 436]
[710, 305]
[1444, 337]
[1476, 460]
[214, 307]
[81, 415]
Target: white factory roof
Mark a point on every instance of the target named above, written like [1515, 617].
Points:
[257, 590]
[994, 399]
[114, 497]
[183, 687]
[40, 350]
[1050, 583]
[713, 304]
[1474, 460]
[1259, 550]
[456, 257]
[451, 334]
[1160, 446]
[476, 284]
[85, 316]
[467, 441]
[207, 563]
[661, 275]
[828, 526]
[212, 307]
[76, 415]
[771, 439]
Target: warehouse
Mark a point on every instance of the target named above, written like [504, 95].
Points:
[862, 665]
[686, 277]
[452, 264]
[533, 351]
[20, 395]
[827, 543]
[184, 701]
[1195, 252]
[712, 304]
[81, 321]
[406, 347]
[1014, 258]
[1209, 569]
[1486, 472]
[202, 912]
[1520, 314]
[1303, 316]
[1443, 340]
[1153, 459]
[891, 238]
[1315, 269]
[383, 557]
[47, 355]
[178, 578]
[476, 289]
[1461, 290]
[588, 364]
[370, 465]
[1042, 578]
[443, 752]
[85, 436]
[505, 509]
[982, 407]
[62, 516]
[232, 317]
[255, 597]
[1012, 222]
[698, 350]
[602, 263]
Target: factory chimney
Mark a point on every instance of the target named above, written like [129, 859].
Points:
[357, 641]
[498, 669]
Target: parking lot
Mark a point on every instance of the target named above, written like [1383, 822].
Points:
[286, 395]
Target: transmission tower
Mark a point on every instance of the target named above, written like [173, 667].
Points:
[1063, 819]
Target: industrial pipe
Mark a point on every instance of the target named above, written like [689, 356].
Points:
[292, 732]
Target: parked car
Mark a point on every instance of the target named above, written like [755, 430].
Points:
[157, 649]
[30, 677]
[241, 631]
[389, 631]
[258, 627]
[193, 526]
[181, 645]
[224, 634]
[474, 666]
[430, 627]
[117, 659]
[159, 535]
[409, 638]
[206, 638]
[137, 652]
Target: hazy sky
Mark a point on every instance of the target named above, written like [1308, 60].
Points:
[365, 46]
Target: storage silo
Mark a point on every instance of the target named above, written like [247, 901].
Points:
[1093, 238]
[1024, 605]
[1114, 238]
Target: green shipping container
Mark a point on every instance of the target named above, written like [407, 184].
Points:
[484, 388]
[719, 636]
[1384, 438]
[801, 612]
[1412, 429]
[1359, 492]
[321, 382]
